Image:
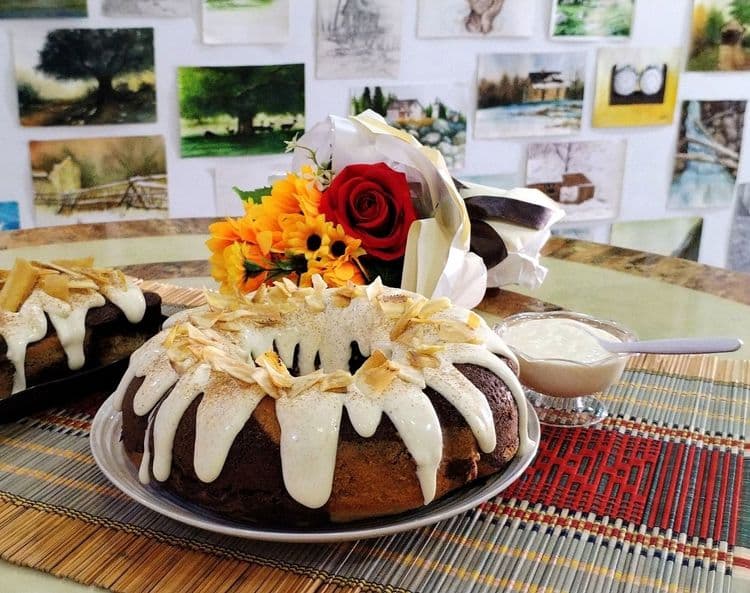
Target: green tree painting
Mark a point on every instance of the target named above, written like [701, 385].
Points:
[227, 111]
[113, 70]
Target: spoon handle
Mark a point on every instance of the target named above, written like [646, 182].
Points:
[676, 346]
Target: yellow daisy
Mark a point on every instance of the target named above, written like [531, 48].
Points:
[309, 236]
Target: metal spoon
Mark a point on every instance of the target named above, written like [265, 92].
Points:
[673, 345]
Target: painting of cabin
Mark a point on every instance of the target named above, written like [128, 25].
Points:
[529, 94]
[585, 178]
[546, 86]
[404, 110]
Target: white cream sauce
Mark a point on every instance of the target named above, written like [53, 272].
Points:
[310, 420]
[29, 324]
[565, 339]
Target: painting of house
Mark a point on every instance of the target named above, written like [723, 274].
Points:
[546, 86]
[575, 188]
[584, 177]
[529, 94]
[434, 114]
[404, 110]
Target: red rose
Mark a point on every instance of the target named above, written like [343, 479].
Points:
[373, 204]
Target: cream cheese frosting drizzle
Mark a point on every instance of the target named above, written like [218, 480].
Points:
[68, 317]
[411, 343]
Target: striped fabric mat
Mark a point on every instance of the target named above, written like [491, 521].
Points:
[649, 501]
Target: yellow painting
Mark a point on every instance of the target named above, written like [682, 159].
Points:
[636, 87]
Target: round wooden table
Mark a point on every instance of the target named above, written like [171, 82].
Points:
[655, 296]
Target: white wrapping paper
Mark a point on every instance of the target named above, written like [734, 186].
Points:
[437, 260]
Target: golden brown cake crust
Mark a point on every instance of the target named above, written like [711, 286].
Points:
[109, 337]
[373, 476]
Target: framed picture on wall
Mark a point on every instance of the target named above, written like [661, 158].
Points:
[719, 36]
[48, 9]
[472, 18]
[584, 177]
[636, 87]
[592, 19]
[82, 180]
[434, 114]
[74, 77]
[529, 94]
[708, 154]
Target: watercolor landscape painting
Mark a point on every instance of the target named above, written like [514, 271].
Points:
[434, 114]
[42, 9]
[245, 21]
[99, 179]
[469, 18]
[720, 35]
[529, 94]
[68, 77]
[708, 154]
[240, 110]
[585, 178]
[592, 18]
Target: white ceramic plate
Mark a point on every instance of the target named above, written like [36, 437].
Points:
[112, 460]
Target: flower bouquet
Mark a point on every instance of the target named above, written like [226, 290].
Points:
[365, 200]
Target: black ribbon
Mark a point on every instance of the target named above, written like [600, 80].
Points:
[487, 244]
[518, 212]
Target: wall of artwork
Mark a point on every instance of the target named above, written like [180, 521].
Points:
[588, 101]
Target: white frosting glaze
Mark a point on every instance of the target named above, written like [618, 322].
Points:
[310, 417]
[29, 324]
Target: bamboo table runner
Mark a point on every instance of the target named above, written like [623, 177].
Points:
[650, 500]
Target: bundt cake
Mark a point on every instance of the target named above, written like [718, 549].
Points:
[59, 318]
[306, 405]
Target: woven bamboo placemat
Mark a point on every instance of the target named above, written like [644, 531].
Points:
[650, 500]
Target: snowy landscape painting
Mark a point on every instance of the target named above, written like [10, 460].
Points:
[708, 154]
[584, 177]
[359, 38]
[529, 94]
[158, 8]
[475, 18]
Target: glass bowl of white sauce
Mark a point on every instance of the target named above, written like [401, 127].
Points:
[561, 364]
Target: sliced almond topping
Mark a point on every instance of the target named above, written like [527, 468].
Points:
[374, 289]
[435, 306]
[411, 313]
[260, 295]
[81, 262]
[56, 285]
[18, 285]
[376, 372]
[343, 296]
[457, 333]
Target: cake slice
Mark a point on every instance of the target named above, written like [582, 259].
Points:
[67, 316]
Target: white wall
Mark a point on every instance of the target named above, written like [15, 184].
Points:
[650, 151]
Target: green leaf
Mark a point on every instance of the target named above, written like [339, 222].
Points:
[253, 195]
[252, 269]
